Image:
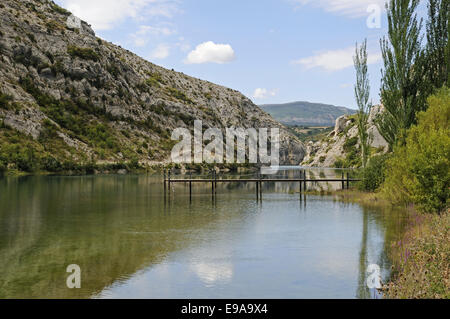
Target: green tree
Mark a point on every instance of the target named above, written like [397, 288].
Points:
[402, 82]
[362, 93]
[418, 172]
[438, 49]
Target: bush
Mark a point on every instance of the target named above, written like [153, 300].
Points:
[4, 101]
[83, 53]
[419, 172]
[2, 168]
[350, 144]
[373, 176]
[51, 164]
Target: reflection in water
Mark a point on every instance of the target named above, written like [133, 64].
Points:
[130, 243]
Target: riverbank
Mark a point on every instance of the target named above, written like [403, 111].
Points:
[421, 260]
[123, 168]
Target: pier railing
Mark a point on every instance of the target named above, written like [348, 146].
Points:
[259, 179]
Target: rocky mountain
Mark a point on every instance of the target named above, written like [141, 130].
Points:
[306, 114]
[69, 96]
[341, 148]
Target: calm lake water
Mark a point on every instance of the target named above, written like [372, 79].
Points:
[131, 243]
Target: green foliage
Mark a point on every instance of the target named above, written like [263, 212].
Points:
[306, 133]
[419, 171]
[438, 49]
[5, 100]
[74, 116]
[373, 175]
[60, 10]
[179, 95]
[403, 89]
[421, 260]
[362, 93]
[350, 144]
[2, 168]
[154, 80]
[53, 25]
[83, 53]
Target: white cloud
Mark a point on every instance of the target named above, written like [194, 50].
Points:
[162, 51]
[142, 36]
[335, 60]
[104, 14]
[350, 8]
[261, 93]
[209, 52]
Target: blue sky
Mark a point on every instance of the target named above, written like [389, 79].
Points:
[273, 51]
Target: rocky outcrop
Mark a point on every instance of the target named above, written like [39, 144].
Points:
[105, 102]
[342, 145]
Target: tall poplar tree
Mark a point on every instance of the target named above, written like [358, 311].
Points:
[362, 94]
[402, 86]
[438, 48]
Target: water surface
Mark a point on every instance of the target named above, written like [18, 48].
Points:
[131, 243]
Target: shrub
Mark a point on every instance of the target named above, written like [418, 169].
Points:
[4, 101]
[179, 95]
[60, 10]
[51, 164]
[83, 53]
[373, 176]
[2, 168]
[419, 172]
[339, 163]
[350, 144]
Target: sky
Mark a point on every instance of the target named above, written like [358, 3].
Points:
[273, 51]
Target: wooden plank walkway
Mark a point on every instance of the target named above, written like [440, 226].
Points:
[258, 180]
[302, 180]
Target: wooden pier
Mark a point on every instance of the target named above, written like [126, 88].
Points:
[259, 180]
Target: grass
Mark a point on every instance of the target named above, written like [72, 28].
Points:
[422, 260]
[368, 199]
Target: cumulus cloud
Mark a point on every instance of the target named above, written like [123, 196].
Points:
[350, 8]
[335, 60]
[104, 14]
[162, 51]
[210, 52]
[261, 93]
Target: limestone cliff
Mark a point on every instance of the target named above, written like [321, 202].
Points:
[341, 148]
[67, 95]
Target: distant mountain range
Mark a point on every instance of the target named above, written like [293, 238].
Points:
[306, 113]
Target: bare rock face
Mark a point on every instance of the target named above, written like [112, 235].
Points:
[106, 103]
[335, 146]
[341, 123]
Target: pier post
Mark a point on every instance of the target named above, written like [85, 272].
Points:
[169, 180]
[348, 181]
[215, 183]
[260, 186]
[300, 183]
[212, 184]
[304, 180]
[165, 183]
[343, 183]
[190, 186]
[257, 190]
